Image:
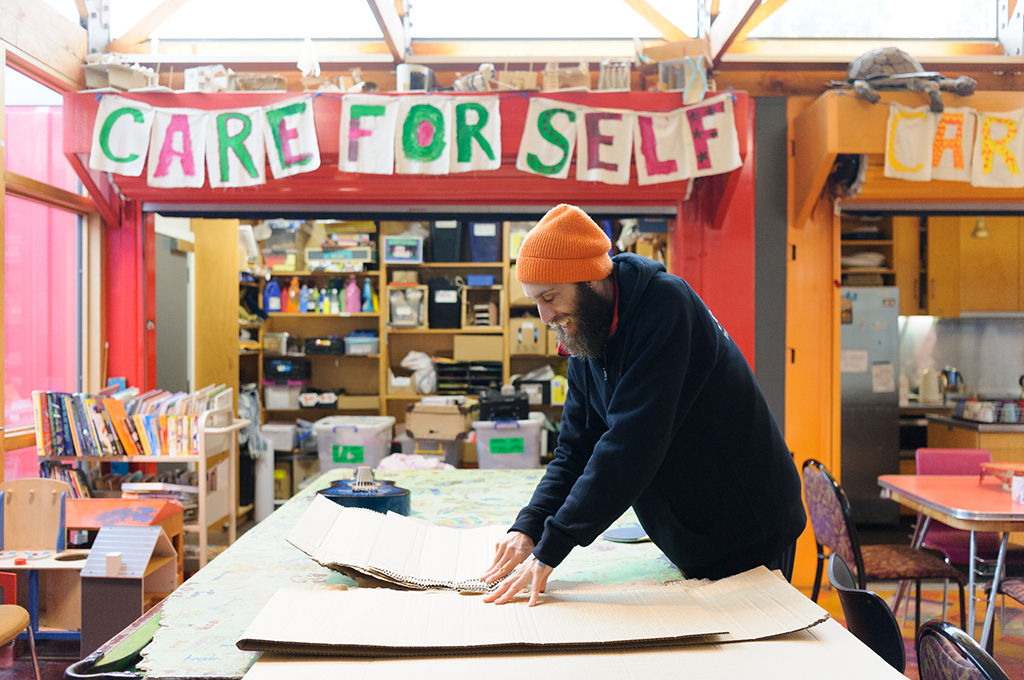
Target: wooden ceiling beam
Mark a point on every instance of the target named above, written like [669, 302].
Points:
[763, 11]
[391, 26]
[83, 12]
[141, 31]
[666, 28]
[44, 40]
[732, 16]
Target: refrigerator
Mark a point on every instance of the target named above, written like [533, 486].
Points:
[869, 367]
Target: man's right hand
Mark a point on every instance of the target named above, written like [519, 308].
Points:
[508, 555]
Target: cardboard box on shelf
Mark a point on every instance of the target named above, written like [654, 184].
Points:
[303, 469]
[528, 336]
[477, 348]
[400, 384]
[516, 294]
[439, 421]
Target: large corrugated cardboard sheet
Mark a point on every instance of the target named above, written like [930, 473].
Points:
[754, 605]
[393, 548]
[824, 651]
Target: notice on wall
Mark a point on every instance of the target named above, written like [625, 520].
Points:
[853, 361]
[883, 377]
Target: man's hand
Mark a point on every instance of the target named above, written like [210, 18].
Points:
[508, 554]
[532, 573]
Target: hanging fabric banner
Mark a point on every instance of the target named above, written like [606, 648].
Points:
[549, 137]
[998, 150]
[476, 139]
[235, 149]
[120, 137]
[659, 148]
[953, 145]
[604, 146]
[177, 148]
[909, 137]
[714, 147]
[423, 135]
[291, 137]
[368, 134]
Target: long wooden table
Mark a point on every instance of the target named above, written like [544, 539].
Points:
[962, 502]
[201, 621]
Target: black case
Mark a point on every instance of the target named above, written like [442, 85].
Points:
[446, 239]
[497, 406]
[281, 371]
[448, 312]
[327, 345]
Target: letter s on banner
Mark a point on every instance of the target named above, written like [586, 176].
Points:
[549, 138]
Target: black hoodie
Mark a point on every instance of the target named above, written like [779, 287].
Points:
[672, 423]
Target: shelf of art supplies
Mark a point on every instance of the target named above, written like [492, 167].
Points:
[469, 330]
[318, 315]
[447, 265]
[321, 273]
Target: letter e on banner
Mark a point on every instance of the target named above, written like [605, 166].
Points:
[368, 134]
[291, 137]
[605, 146]
[422, 136]
[999, 150]
[120, 136]
[909, 137]
[714, 147]
[177, 149]
[549, 137]
[659, 148]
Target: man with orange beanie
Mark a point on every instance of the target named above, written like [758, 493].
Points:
[662, 414]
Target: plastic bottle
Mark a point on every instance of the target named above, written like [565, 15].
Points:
[325, 301]
[292, 304]
[272, 296]
[335, 303]
[314, 300]
[367, 295]
[352, 296]
[304, 298]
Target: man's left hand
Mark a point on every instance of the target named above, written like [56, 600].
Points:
[532, 573]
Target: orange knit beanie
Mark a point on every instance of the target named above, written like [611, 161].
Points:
[566, 246]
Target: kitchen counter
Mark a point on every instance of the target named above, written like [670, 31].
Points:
[917, 408]
[976, 426]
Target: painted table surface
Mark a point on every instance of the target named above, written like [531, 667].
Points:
[202, 619]
[949, 497]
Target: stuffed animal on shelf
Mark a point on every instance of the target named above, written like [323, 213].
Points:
[890, 68]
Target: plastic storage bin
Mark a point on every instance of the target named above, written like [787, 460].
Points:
[350, 441]
[361, 345]
[281, 435]
[446, 238]
[507, 444]
[282, 397]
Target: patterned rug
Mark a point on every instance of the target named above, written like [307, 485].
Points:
[1008, 649]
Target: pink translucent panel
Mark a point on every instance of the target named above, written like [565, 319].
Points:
[40, 305]
[21, 463]
[35, 145]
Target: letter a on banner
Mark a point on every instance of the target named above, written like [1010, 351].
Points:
[659, 148]
[548, 138]
[177, 149]
[605, 146]
[235, 151]
[368, 134]
[476, 141]
[908, 143]
[423, 135]
[999, 150]
[953, 145]
[120, 136]
[291, 137]
[714, 147]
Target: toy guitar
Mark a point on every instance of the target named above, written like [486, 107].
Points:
[365, 492]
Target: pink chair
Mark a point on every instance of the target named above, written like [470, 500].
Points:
[955, 544]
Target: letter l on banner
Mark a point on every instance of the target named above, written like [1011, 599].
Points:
[659, 148]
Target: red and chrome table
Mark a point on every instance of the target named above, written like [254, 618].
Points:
[964, 503]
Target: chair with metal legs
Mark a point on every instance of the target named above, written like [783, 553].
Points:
[15, 619]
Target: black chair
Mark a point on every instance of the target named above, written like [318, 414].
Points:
[829, 512]
[944, 651]
[867, 615]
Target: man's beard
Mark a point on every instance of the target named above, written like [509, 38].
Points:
[592, 322]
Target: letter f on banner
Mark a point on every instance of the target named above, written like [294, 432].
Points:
[367, 134]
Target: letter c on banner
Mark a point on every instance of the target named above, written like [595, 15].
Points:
[550, 134]
[891, 151]
[108, 125]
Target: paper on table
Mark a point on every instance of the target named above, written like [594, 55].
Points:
[752, 605]
[403, 550]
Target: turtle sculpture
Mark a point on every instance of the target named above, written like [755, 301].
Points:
[890, 68]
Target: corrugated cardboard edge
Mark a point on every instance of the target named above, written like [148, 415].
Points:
[794, 612]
